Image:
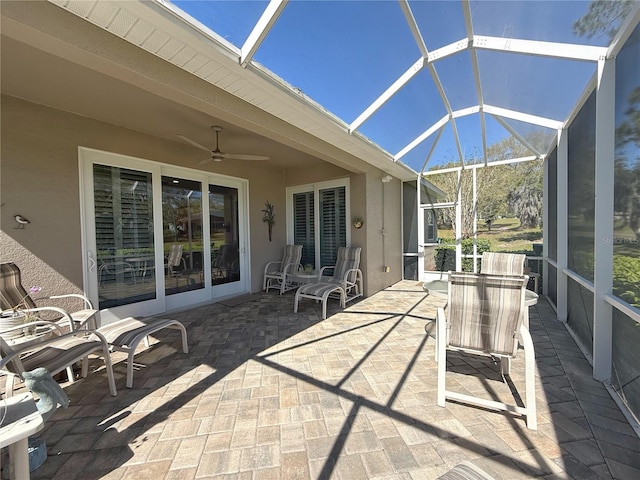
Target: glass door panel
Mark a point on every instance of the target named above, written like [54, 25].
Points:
[123, 208]
[225, 235]
[182, 230]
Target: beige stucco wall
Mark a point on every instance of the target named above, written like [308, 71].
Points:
[366, 191]
[40, 180]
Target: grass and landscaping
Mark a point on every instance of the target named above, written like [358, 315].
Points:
[505, 235]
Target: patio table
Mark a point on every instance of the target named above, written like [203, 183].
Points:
[21, 420]
[303, 278]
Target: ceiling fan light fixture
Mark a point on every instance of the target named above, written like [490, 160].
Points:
[216, 154]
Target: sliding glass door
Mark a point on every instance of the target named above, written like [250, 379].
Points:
[153, 241]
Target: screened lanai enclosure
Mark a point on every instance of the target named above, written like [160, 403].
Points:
[461, 86]
[457, 88]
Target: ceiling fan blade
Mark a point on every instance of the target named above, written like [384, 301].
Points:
[193, 142]
[239, 156]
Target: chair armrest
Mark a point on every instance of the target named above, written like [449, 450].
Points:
[35, 323]
[60, 311]
[267, 267]
[87, 302]
[291, 268]
[326, 267]
[358, 273]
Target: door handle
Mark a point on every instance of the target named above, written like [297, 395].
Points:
[92, 262]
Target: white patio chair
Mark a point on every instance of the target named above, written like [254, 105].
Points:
[345, 284]
[55, 353]
[275, 273]
[484, 316]
[13, 293]
[346, 272]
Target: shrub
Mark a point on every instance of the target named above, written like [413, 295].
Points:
[626, 279]
[446, 254]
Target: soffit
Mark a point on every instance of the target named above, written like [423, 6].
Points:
[148, 26]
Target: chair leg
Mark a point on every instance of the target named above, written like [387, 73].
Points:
[530, 378]
[441, 348]
[106, 354]
[295, 303]
[324, 306]
[8, 385]
[132, 352]
[183, 331]
[505, 365]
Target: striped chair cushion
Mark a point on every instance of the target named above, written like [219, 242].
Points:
[56, 356]
[292, 255]
[11, 291]
[348, 258]
[127, 332]
[502, 263]
[485, 312]
[318, 290]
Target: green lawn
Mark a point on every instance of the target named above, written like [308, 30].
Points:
[505, 235]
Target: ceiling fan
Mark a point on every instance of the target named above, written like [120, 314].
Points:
[216, 154]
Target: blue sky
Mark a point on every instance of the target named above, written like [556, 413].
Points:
[344, 54]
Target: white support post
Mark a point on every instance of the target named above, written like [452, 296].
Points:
[545, 225]
[603, 238]
[475, 220]
[420, 215]
[459, 224]
[562, 239]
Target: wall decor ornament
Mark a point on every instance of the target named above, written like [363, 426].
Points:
[358, 222]
[269, 217]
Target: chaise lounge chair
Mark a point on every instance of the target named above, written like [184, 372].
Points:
[345, 283]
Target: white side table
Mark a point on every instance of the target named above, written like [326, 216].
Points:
[21, 420]
[304, 278]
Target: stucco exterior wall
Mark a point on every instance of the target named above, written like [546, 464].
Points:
[40, 180]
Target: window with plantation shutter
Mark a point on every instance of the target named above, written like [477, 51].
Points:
[333, 228]
[320, 224]
[303, 226]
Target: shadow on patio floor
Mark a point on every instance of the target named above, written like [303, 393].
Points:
[266, 393]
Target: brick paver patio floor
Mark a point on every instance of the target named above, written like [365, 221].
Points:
[268, 394]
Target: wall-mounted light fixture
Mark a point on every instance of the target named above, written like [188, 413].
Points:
[358, 222]
[387, 179]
